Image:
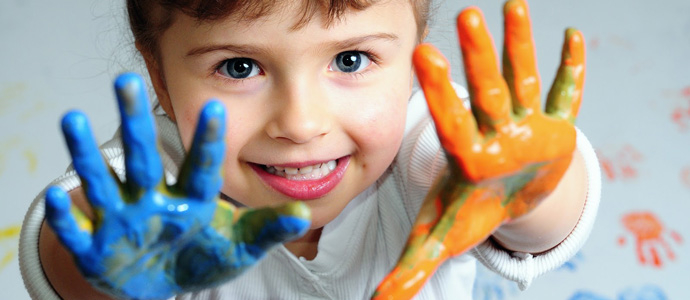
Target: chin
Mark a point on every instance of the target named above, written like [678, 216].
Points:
[323, 214]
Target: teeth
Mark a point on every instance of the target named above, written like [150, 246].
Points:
[305, 173]
[331, 165]
[307, 170]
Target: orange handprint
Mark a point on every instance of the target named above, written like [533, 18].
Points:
[504, 156]
[648, 231]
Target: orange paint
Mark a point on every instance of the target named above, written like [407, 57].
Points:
[621, 241]
[685, 176]
[681, 113]
[594, 43]
[649, 238]
[622, 164]
[504, 156]
[685, 92]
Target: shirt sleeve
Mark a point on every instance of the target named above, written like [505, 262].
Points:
[421, 158]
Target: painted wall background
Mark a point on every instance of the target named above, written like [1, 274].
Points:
[59, 55]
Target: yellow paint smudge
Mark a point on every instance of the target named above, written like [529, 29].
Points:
[5, 147]
[9, 232]
[9, 235]
[31, 160]
[9, 93]
[34, 110]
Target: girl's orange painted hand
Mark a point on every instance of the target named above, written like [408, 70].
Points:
[504, 156]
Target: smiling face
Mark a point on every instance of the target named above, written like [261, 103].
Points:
[314, 114]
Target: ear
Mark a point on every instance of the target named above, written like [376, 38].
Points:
[158, 81]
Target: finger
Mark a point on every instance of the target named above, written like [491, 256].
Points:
[98, 182]
[489, 94]
[420, 257]
[519, 59]
[261, 229]
[565, 95]
[455, 125]
[200, 175]
[142, 161]
[406, 280]
[77, 240]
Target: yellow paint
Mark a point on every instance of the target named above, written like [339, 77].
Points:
[5, 147]
[34, 110]
[83, 221]
[6, 259]
[31, 159]
[11, 93]
[9, 232]
[9, 235]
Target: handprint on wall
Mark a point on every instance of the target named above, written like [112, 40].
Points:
[651, 238]
[681, 113]
[685, 176]
[572, 264]
[621, 164]
[490, 286]
[645, 292]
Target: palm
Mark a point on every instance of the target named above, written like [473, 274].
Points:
[504, 156]
[150, 240]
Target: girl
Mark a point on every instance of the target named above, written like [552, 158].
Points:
[323, 125]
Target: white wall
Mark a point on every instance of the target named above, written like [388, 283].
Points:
[60, 55]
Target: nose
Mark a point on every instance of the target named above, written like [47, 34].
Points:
[301, 113]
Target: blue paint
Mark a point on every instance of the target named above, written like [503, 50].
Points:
[87, 159]
[490, 286]
[59, 218]
[150, 240]
[572, 264]
[587, 295]
[645, 292]
[143, 163]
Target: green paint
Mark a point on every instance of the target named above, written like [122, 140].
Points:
[560, 98]
[519, 111]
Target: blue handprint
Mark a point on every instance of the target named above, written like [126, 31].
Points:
[573, 263]
[149, 240]
[490, 286]
[645, 292]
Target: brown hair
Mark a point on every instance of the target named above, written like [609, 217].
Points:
[148, 19]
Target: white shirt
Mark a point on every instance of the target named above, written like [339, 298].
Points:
[362, 244]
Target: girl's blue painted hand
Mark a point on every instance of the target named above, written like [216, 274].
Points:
[149, 240]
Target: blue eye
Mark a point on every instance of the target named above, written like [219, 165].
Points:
[239, 68]
[350, 61]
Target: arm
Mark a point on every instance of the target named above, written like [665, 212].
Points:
[505, 156]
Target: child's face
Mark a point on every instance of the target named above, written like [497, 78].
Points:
[296, 100]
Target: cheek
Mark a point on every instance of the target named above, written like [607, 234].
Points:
[186, 118]
[381, 129]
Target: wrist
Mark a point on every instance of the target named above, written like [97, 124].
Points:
[553, 219]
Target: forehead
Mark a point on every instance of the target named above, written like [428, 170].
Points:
[388, 15]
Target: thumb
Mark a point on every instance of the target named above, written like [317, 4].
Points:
[260, 229]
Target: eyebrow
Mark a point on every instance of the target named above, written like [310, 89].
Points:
[249, 49]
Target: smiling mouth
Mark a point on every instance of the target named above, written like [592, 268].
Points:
[306, 181]
[312, 172]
